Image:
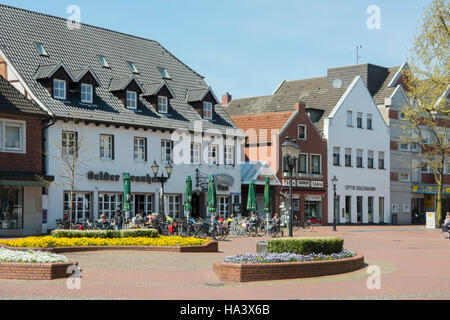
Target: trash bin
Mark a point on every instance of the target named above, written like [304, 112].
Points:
[394, 218]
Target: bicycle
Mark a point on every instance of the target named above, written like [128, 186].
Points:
[275, 230]
[298, 225]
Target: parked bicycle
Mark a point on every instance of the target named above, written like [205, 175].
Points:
[298, 225]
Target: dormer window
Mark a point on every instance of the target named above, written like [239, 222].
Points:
[103, 62]
[207, 110]
[163, 73]
[162, 104]
[131, 100]
[132, 67]
[41, 49]
[86, 93]
[59, 89]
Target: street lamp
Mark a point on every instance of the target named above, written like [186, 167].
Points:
[290, 151]
[161, 179]
[335, 181]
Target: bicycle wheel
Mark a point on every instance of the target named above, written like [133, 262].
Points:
[261, 230]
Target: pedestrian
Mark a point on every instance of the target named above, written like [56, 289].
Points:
[118, 220]
[446, 225]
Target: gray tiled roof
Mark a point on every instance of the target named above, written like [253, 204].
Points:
[12, 101]
[79, 49]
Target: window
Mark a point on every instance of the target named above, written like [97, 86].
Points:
[336, 156]
[11, 213]
[59, 89]
[162, 104]
[370, 159]
[13, 136]
[316, 164]
[369, 121]
[132, 67]
[195, 153]
[223, 206]
[424, 167]
[140, 149]
[370, 209]
[402, 115]
[163, 73]
[380, 160]
[69, 143]
[142, 202]
[81, 206]
[172, 205]
[103, 62]
[348, 157]
[359, 208]
[229, 155]
[404, 146]
[302, 132]
[86, 93]
[404, 177]
[166, 151]
[131, 100]
[359, 158]
[302, 166]
[348, 208]
[349, 119]
[106, 147]
[207, 110]
[41, 49]
[212, 154]
[381, 209]
[108, 203]
[359, 120]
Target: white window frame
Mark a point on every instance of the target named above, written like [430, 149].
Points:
[131, 96]
[57, 89]
[68, 151]
[359, 115]
[298, 131]
[349, 114]
[133, 67]
[88, 95]
[229, 155]
[223, 206]
[402, 148]
[371, 155]
[338, 153]
[427, 168]
[139, 142]
[163, 104]
[207, 111]
[175, 201]
[361, 152]
[211, 159]
[110, 146]
[306, 164]
[369, 117]
[22, 135]
[407, 179]
[104, 62]
[381, 158]
[195, 153]
[320, 163]
[166, 145]
[345, 157]
[41, 49]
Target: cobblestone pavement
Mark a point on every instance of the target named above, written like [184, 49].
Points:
[414, 264]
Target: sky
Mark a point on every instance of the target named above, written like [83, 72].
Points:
[248, 47]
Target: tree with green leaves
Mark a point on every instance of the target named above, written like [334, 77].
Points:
[426, 118]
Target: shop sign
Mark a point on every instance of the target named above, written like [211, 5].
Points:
[360, 188]
[297, 183]
[105, 176]
[223, 179]
[313, 198]
[317, 184]
[429, 189]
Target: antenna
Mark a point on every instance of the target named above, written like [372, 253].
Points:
[357, 53]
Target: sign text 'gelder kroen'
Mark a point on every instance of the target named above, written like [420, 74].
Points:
[105, 176]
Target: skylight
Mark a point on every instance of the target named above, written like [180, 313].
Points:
[132, 67]
[164, 73]
[103, 62]
[41, 49]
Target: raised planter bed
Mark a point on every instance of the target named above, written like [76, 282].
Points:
[245, 272]
[212, 246]
[34, 271]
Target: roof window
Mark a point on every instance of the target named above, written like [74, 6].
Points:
[41, 49]
[132, 67]
[103, 62]
[163, 73]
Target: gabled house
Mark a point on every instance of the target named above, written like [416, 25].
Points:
[129, 100]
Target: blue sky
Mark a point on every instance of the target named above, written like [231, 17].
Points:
[247, 47]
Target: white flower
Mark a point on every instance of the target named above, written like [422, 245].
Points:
[7, 255]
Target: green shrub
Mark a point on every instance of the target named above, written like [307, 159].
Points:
[148, 233]
[306, 246]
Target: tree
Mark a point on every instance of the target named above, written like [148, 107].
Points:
[426, 117]
[72, 151]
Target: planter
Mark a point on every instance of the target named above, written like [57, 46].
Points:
[212, 246]
[35, 271]
[245, 272]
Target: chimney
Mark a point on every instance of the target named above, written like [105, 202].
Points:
[300, 105]
[226, 99]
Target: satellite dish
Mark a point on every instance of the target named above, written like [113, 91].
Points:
[337, 83]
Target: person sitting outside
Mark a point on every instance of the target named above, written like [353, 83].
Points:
[276, 219]
[169, 219]
[446, 225]
[137, 220]
[221, 219]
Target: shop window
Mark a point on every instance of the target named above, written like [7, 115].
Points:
[81, 206]
[108, 203]
[172, 206]
[359, 209]
[11, 207]
[370, 209]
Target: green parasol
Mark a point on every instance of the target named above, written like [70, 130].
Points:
[251, 199]
[188, 194]
[267, 196]
[212, 199]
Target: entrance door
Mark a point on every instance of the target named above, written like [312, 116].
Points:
[196, 206]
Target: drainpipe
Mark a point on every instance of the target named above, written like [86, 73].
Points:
[44, 195]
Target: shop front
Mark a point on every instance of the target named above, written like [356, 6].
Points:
[424, 199]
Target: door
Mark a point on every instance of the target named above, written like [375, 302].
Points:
[195, 206]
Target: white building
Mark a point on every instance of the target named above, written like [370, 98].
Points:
[358, 149]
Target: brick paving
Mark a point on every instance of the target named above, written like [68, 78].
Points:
[414, 264]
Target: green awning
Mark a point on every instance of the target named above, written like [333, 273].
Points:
[22, 183]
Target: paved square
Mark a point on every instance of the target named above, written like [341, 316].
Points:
[414, 263]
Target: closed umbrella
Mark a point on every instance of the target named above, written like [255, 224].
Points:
[188, 196]
[126, 193]
[251, 199]
[267, 196]
[212, 198]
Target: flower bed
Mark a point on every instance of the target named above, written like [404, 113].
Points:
[33, 265]
[129, 233]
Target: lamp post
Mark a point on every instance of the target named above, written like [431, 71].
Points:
[334, 180]
[290, 151]
[161, 179]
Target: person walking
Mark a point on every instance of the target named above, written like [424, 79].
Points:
[118, 220]
[446, 225]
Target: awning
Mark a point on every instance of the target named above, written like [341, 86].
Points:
[24, 179]
[21, 183]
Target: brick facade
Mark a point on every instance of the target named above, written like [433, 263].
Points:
[34, 271]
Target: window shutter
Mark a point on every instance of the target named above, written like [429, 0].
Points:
[112, 147]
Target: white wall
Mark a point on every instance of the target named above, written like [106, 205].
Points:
[358, 99]
[123, 162]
